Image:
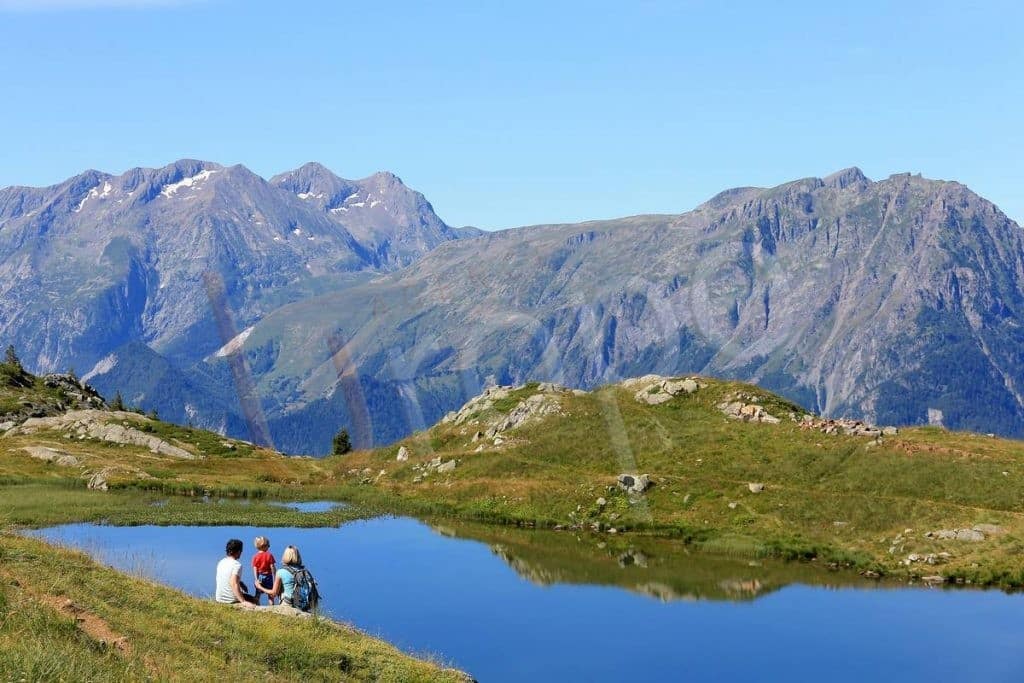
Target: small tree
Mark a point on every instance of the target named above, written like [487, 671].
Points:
[118, 402]
[342, 444]
[11, 358]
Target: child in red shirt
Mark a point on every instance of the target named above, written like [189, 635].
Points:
[264, 567]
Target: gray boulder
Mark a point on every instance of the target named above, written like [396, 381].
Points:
[634, 483]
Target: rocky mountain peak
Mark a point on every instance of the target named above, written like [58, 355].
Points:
[840, 180]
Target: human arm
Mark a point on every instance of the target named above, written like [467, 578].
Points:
[276, 590]
[236, 586]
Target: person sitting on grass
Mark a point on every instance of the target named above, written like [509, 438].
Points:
[264, 566]
[294, 584]
[230, 588]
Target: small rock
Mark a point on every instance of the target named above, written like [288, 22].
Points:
[755, 487]
[890, 431]
[446, 467]
[98, 481]
[633, 483]
[601, 502]
[733, 505]
[403, 454]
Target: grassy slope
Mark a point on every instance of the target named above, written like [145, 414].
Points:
[169, 635]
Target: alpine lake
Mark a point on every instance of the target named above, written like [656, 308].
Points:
[509, 604]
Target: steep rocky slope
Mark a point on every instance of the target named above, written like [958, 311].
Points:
[899, 301]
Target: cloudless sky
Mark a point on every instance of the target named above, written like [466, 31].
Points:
[510, 113]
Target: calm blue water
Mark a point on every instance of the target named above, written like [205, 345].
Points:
[429, 593]
[313, 505]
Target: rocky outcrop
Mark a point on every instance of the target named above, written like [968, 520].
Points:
[483, 411]
[53, 455]
[845, 426]
[113, 427]
[61, 392]
[655, 389]
[746, 407]
[973, 534]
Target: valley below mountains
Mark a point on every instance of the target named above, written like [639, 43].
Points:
[282, 310]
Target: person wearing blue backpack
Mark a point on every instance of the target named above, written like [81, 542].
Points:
[293, 583]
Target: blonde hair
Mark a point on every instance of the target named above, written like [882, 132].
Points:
[262, 543]
[291, 556]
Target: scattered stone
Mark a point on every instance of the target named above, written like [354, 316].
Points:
[890, 431]
[755, 487]
[601, 502]
[98, 481]
[446, 467]
[934, 580]
[733, 505]
[403, 454]
[633, 483]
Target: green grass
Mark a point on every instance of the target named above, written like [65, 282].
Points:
[171, 636]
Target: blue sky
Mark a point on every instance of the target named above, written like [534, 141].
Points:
[507, 114]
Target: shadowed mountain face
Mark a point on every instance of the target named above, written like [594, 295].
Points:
[893, 300]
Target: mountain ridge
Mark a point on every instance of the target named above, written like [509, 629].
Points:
[895, 300]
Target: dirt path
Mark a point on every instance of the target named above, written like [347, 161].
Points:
[89, 623]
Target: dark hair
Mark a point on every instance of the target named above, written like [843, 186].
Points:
[234, 547]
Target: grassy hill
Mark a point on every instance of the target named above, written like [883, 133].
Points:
[878, 502]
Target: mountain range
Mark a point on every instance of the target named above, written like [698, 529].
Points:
[284, 309]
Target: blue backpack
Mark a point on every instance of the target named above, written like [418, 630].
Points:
[305, 595]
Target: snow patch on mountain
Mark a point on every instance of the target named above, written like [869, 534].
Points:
[102, 367]
[186, 182]
[235, 345]
[94, 192]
